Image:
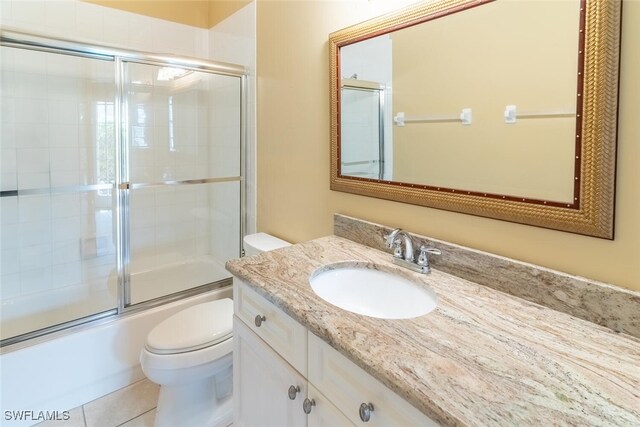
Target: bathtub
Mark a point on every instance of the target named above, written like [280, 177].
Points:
[66, 369]
[36, 311]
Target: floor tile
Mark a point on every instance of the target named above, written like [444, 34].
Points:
[122, 405]
[144, 420]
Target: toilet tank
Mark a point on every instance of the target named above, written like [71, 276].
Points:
[262, 242]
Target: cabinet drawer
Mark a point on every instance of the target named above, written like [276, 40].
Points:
[283, 334]
[349, 387]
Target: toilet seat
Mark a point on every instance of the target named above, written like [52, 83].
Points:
[195, 328]
[207, 356]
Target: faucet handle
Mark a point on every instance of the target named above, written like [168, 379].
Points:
[397, 249]
[423, 258]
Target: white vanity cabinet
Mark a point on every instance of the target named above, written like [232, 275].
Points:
[286, 376]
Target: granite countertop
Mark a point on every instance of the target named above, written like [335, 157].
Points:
[482, 357]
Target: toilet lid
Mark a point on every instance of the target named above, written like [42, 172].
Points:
[196, 327]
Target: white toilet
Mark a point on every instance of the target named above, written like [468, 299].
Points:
[189, 355]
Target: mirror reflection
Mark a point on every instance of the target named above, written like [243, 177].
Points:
[483, 100]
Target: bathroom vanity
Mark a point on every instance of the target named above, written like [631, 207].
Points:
[481, 357]
[288, 376]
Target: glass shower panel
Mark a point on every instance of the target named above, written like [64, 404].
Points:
[57, 200]
[362, 152]
[184, 174]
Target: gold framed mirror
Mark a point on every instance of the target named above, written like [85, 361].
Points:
[549, 160]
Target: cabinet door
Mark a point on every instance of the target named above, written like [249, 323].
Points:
[324, 413]
[350, 387]
[261, 381]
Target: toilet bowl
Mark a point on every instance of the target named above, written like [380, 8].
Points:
[190, 356]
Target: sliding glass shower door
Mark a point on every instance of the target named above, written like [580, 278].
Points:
[121, 181]
[57, 203]
[183, 175]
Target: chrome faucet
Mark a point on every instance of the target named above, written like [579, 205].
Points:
[393, 241]
[406, 258]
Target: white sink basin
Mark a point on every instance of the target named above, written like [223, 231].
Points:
[365, 289]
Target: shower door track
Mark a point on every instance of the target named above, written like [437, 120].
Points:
[43, 43]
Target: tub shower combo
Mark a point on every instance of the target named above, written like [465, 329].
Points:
[122, 182]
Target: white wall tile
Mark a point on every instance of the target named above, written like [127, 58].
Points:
[89, 22]
[29, 181]
[8, 210]
[32, 135]
[28, 12]
[7, 110]
[63, 87]
[34, 208]
[10, 237]
[35, 280]
[66, 274]
[35, 257]
[65, 205]
[7, 134]
[8, 160]
[33, 233]
[10, 262]
[65, 251]
[31, 85]
[60, 17]
[64, 178]
[116, 29]
[9, 286]
[31, 111]
[5, 10]
[141, 34]
[64, 159]
[33, 160]
[64, 112]
[63, 135]
[66, 229]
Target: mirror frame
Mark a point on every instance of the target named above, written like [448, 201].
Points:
[592, 212]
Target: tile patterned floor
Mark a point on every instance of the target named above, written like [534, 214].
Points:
[132, 406]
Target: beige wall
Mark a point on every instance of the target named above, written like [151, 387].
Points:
[197, 13]
[294, 200]
[219, 10]
[485, 59]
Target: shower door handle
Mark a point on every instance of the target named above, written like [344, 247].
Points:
[139, 185]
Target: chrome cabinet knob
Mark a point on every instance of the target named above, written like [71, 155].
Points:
[307, 405]
[293, 392]
[259, 319]
[365, 411]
